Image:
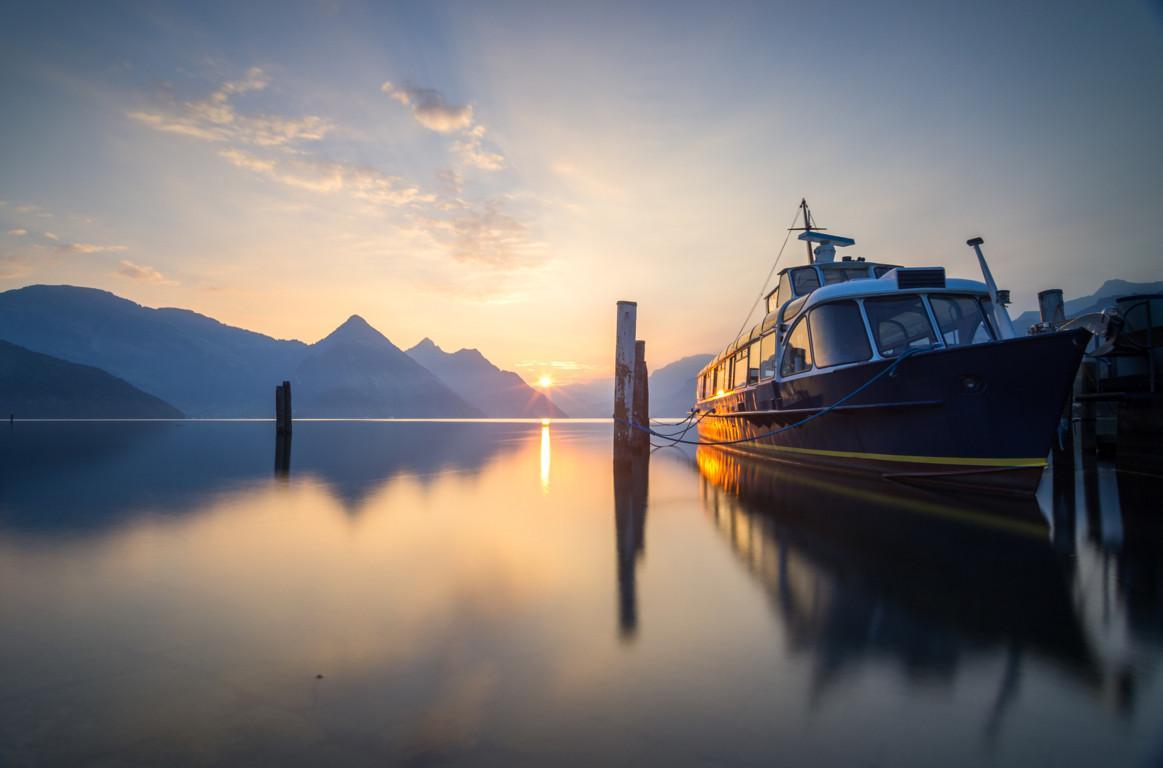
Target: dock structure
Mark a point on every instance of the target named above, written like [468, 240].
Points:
[641, 414]
[624, 349]
[283, 408]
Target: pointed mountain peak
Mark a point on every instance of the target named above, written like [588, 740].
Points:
[356, 329]
[470, 353]
[355, 321]
[426, 346]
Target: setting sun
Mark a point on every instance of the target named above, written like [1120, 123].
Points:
[545, 381]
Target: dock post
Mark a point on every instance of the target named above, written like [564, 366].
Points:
[640, 439]
[624, 373]
[283, 407]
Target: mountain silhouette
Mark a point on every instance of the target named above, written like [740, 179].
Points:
[1103, 298]
[201, 366]
[672, 387]
[357, 372]
[37, 386]
[497, 393]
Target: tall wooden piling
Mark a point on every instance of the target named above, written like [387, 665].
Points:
[624, 373]
[283, 407]
[640, 439]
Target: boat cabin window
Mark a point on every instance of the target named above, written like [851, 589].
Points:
[740, 379]
[773, 300]
[767, 357]
[880, 272]
[841, 273]
[805, 280]
[797, 352]
[960, 320]
[899, 323]
[784, 287]
[753, 364]
[838, 334]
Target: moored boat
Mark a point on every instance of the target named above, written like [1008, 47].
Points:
[870, 366]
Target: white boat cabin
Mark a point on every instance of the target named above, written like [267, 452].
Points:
[833, 314]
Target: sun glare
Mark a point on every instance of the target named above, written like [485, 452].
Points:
[545, 381]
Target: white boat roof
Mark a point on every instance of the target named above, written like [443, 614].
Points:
[886, 285]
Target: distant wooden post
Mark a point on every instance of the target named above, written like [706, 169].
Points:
[640, 439]
[624, 372]
[283, 407]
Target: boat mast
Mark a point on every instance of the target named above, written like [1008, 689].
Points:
[809, 226]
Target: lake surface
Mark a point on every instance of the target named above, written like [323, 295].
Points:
[503, 594]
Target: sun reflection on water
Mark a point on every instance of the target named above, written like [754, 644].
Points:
[545, 455]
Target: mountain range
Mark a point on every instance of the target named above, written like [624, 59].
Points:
[672, 391]
[497, 393]
[205, 368]
[39, 386]
[1103, 298]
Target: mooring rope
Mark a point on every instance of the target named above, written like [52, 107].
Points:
[824, 411]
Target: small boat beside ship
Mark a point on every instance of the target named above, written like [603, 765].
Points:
[901, 371]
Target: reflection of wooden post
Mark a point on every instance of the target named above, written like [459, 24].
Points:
[631, 488]
[283, 407]
[282, 453]
[641, 440]
[624, 372]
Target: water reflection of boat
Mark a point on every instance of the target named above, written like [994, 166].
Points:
[857, 574]
[918, 375]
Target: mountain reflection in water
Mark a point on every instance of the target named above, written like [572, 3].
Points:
[452, 593]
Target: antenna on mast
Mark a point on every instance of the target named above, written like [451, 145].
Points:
[809, 225]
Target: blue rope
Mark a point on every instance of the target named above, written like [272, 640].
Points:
[887, 371]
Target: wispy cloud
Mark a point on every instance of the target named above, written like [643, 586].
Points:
[429, 107]
[486, 235]
[288, 151]
[431, 110]
[89, 248]
[215, 118]
[18, 232]
[142, 272]
[471, 151]
[361, 182]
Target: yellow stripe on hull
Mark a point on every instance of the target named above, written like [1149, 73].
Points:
[964, 461]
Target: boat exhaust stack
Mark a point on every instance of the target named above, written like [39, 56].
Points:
[1051, 308]
[1001, 317]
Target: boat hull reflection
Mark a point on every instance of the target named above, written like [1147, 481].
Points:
[860, 571]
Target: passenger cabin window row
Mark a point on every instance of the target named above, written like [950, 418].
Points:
[843, 332]
[801, 281]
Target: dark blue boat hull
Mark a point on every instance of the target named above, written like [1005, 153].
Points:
[983, 415]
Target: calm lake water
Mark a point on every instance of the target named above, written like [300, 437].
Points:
[499, 594]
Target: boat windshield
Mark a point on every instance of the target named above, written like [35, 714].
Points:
[838, 335]
[961, 320]
[899, 323]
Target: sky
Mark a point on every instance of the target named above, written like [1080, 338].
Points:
[498, 175]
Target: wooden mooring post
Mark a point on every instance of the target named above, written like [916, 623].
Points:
[624, 373]
[640, 439]
[283, 407]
